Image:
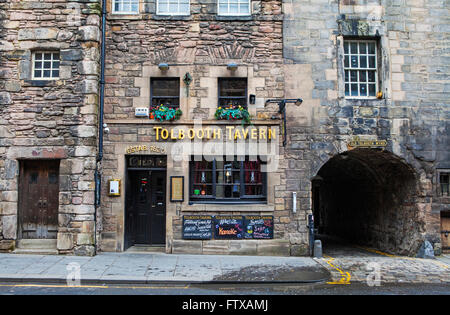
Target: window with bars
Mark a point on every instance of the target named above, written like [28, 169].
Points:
[173, 7]
[232, 92]
[46, 65]
[234, 7]
[126, 6]
[360, 67]
[238, 180]
[165, 91]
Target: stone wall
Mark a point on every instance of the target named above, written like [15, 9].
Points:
[50, 119]
[201, 44]
[413, 113]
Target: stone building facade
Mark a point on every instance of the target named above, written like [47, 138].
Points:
[366, 153]
[48, 124]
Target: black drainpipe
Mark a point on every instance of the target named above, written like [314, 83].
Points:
[98, 177]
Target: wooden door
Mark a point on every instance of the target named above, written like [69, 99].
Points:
[445, 233]
[158, 213]
[39, 199]
[145, 208]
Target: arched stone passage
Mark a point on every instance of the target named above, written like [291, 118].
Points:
[368, 197]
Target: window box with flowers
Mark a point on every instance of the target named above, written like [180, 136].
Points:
[233, 113]
[165, 113]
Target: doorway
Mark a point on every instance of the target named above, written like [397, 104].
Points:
[38, 199]
[145, 208]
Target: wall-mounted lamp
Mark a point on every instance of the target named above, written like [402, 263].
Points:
[282, 110]
[163, 66]
[232, 66]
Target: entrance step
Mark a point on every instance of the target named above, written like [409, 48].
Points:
[145, 249]
[36, 246]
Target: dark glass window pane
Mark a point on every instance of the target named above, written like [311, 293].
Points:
[354, 61]
[37, 73]
[347, 89]
[55, 73]
[47, 64]
[354, 76]
[166, 87]
[46, 73]
[362, 48]
[354, 48]
[38, 56]
[372, 91]
[38, 65]
[363, 90]
[55, 64]
[56, 56]
[354, 89]
[362, 76]
[363, 62]
[347, 75]
[371, 61]
[371, 48]
[47, 56]
[371, 75]
[346, 50]
[232, 87]
[346, 61]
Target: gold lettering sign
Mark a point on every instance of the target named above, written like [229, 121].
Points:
[358, 143]
[139, 148]
[231, 133]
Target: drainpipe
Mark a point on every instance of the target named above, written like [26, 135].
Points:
[98, 176]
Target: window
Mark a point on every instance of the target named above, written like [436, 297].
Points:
[45, 65]
[233, 92]
[165, 91]
[234, 7]
[126, 6]
[173, 7]
[360, 67]
[229, 181]
[444, 184]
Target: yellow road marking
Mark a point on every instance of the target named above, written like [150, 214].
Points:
[345, 276]
[401, 257]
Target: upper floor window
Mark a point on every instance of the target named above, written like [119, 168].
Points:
[165, 91]
[173, 7]
[444, 183]
[126, 6]
[233, 92]
[234, 7]
[360, 67]
[45, 65]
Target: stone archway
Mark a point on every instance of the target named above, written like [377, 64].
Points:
[368, 197]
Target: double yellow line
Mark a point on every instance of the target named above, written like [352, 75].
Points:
[345, 276]
[89, 286]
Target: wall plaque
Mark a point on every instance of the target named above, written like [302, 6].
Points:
[176, 188]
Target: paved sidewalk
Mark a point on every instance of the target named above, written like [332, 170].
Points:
[160, 268]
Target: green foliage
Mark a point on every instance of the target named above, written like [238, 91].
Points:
[164, 113]
[233, 113]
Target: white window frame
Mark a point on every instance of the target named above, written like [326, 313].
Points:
[359, 69]
[172, 13]
[42, 68]
[239, 8]
[121, 5]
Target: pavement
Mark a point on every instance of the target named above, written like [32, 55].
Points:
[339, 265]
[145, 268]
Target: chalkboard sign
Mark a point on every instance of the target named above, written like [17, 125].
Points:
[258, 227]
[228, 227]
[197, 227]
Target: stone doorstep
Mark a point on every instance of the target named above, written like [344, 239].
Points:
[36, 247]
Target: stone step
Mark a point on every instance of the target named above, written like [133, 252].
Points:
[36, 244]
[36, 251]
[146, 249]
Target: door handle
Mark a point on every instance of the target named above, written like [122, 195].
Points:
[160, 204]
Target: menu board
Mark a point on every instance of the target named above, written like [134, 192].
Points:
[197, 227]
[228, 227]
[258, 227]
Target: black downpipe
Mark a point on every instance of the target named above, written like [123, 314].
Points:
[98, 177]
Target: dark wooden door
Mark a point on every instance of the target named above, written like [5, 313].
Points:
[145, 208]
[39, 199]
